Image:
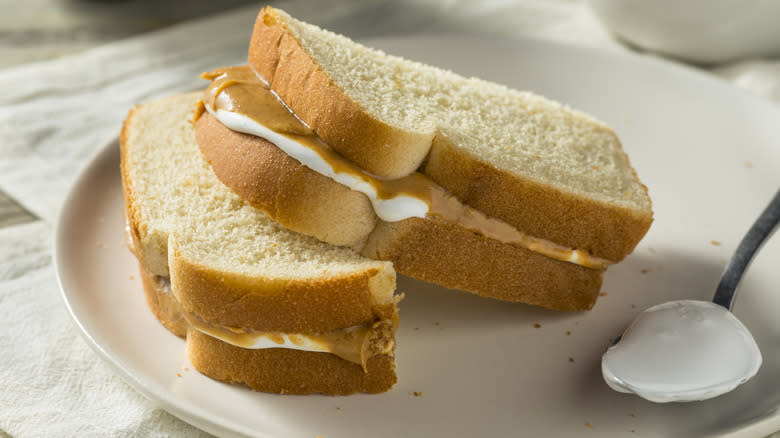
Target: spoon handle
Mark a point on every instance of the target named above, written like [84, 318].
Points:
[762, 228]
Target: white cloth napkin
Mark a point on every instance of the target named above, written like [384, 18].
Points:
[55, 115]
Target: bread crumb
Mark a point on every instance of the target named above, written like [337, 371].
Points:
[178, 374]
[645, 271]
[131, 277]
[587, 423]
[568, 332]
[537, 325]
[416, 393]
[99, 244]
[714, 242]
[338, 408]
[186, 369]
[436, 323]
[571, 359]
[633, 306]
[417, 328]
[633, 416]
[602, 294]
[650, 249]
[633, 431]
[747, 164]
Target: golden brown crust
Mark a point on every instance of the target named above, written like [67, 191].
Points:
[457, 258]
[603, 230]
[162, 303]
[341, 122]
[288, 371]
[291, 193]
[268, 304]
[444, 254]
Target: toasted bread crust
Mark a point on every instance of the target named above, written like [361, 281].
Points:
[419, 248]
[430, 250]
[539, 210]
[295, 196]
[288, 371]
[268, 304]
[341, 122]
[606, 231]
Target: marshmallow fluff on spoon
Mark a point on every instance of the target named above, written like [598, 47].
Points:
[691, 350]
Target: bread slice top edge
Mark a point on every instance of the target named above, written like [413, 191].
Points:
[382, 147]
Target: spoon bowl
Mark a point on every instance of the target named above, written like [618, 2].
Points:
[692, 350]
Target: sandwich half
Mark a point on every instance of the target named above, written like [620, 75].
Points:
[258, 304]
[457, 181]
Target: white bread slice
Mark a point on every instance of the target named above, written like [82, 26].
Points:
[550, 171]
[233, 266]
[426, 249]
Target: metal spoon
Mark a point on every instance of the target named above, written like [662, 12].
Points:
[762, 229]
[692, 350]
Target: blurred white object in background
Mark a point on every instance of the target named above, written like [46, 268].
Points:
[698, 31]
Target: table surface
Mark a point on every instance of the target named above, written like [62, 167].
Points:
[40, 30]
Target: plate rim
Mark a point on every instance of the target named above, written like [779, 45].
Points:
[186, 411]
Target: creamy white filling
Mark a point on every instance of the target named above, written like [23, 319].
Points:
[397, 208]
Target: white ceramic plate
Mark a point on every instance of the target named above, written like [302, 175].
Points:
[710, 156]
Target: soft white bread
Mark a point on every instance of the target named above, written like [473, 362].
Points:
[550, 171]
[427, 249]
[232, 266]
[291, 193]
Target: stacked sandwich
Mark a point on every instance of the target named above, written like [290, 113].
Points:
[270, 213]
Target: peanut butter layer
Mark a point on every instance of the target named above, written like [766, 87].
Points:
[238, 90]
